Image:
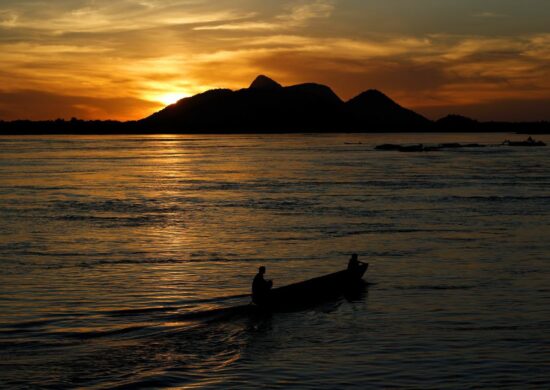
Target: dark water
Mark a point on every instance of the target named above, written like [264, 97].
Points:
[115, 250]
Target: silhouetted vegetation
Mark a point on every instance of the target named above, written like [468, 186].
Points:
[73, 126]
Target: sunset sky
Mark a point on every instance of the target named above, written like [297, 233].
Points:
[99, 59]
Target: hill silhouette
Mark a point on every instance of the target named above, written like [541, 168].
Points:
[372, 109]
[264, 82]
[265, 106]
[268, 107]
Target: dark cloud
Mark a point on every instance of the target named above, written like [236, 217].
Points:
[38, 105]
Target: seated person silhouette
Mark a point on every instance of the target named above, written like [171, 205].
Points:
[354, 263]
[260, 287]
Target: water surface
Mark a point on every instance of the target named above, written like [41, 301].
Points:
[114, 249]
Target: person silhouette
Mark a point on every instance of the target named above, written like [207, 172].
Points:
[354, 263]
[260, 287]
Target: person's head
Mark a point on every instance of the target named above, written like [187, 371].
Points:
[261, 270]
[354, 256]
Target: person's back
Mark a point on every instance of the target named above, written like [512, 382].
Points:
[354, 263]
[260, 286]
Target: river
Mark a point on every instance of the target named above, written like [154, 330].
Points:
[115, 249]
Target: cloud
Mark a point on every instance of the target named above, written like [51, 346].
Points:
[539, 47]
[489, 15]
[39, 105]
[304, 11]
[433, 71]
[150, 50]
[8, 18]
[108, 16]
[295, 15]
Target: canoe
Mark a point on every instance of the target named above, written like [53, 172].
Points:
[314, 290]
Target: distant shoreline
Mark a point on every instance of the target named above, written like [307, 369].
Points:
[78, 127]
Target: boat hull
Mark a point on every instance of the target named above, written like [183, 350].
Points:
[314, 290]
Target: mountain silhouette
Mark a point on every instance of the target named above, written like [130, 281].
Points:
[372, 109]
[455, 122]
[264, 82]
[266, 106]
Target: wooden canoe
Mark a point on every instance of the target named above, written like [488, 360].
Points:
[314, 290]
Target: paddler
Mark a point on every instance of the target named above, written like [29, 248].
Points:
[260, 287]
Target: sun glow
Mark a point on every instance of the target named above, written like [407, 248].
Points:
[169, 98]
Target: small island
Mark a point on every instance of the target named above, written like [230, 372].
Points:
[454, 145]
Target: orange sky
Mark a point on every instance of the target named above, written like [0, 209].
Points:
[98, 59]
